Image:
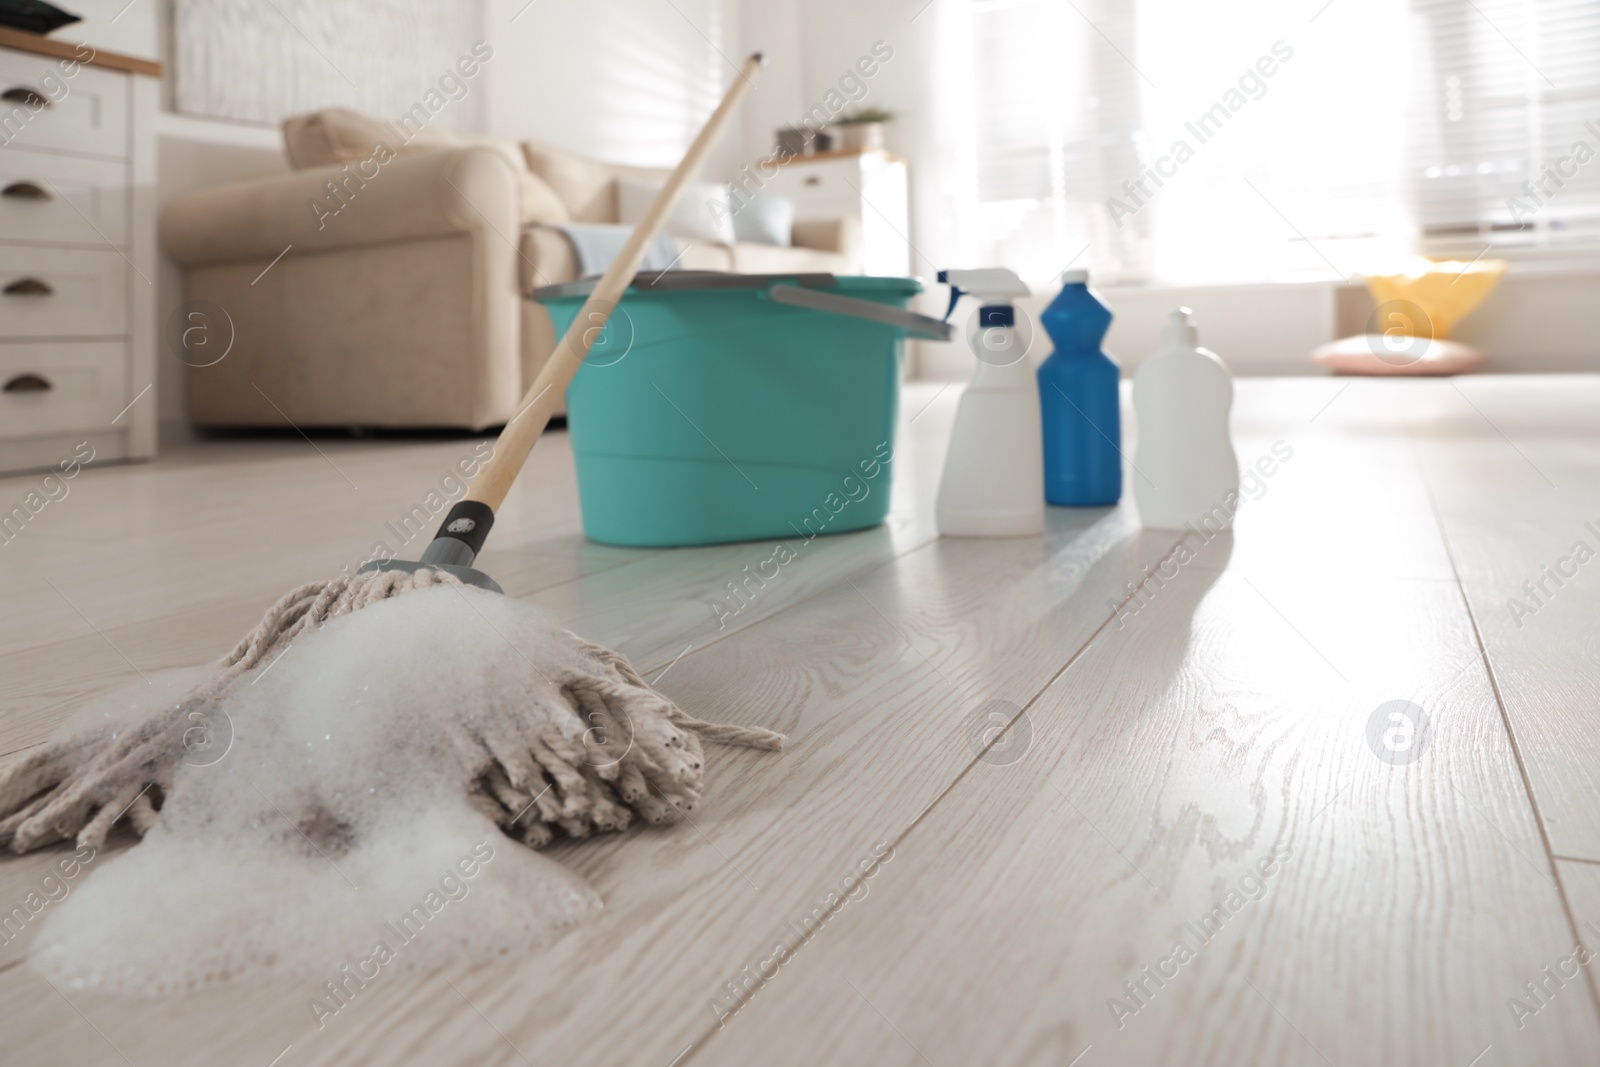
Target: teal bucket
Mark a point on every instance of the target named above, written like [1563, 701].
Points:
[712, 408]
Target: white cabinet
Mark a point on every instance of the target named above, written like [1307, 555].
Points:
[870, 187]
[62, 292]
[78, 323]
[87, 387]
[83, 109]
[63, 200]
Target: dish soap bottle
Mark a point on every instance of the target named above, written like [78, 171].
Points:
[1078, 400]
[1185, 470]
[993, 469]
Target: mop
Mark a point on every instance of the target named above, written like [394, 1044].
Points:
[591, 746]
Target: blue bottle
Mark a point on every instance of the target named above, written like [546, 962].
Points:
[1078, 400]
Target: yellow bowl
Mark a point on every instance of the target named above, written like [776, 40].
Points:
[1439, 294]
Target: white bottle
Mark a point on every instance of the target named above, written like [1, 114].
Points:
[993, 481]
[1185, 470]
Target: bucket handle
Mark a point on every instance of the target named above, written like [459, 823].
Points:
[915, 325]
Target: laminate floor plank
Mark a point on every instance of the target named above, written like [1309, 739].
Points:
[1400, 907]
[876, 680]
[1513, 479]
[1041, 857]
[179, 592]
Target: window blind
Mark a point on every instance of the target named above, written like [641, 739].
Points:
[1506, 143]
[1394, 128]
[1056, 109]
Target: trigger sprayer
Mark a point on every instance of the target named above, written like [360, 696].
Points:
[993, 481]
[993, 286]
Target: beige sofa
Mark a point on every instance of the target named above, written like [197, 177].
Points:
[385, 286]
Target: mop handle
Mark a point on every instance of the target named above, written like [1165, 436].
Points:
[522, 430]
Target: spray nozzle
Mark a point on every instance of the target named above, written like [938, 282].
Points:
[989, 284]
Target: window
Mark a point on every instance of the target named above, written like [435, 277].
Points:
[1508, 127]
[1056, 114]
[1255, 140]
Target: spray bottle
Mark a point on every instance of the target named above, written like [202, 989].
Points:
[993, 478]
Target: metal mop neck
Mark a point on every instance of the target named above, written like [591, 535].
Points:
[82, 786]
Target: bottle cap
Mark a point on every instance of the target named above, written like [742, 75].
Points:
[1074, 277]
[1179, 331]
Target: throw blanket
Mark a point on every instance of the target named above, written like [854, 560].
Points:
[596, 244]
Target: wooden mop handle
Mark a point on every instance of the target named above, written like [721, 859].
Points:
[494, 479]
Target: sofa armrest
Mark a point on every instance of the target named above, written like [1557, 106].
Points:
[545, 258]
[408, 197]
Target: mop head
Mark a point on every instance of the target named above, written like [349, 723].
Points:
[550, 735]
[344, 819]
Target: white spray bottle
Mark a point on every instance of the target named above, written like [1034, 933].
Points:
[993, 481]
[1185, 470]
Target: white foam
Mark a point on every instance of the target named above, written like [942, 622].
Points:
[110, 712]
[339, 808]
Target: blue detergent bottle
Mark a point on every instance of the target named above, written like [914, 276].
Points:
[1079, 401]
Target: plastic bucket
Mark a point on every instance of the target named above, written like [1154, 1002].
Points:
[710, 410]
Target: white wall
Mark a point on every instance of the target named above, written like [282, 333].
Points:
[190, 153]
[135, 31]
[771, 27]
[1538, 320]
[629, 81]
[812, 44]
[626, 80]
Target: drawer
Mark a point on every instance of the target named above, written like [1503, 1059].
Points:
[831, 179]
[62, 199]
[62, 292]
[43, 108]
[61, 387]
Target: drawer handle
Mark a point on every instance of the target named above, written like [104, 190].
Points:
[28, 383]
[24, 191]
[812, 179]
[28, 287]
[20, 94]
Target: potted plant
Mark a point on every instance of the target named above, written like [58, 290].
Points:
[862, 131]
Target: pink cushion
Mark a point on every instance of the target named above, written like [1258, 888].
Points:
[1375, 354]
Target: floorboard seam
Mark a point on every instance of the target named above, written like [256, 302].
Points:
[706, 1036]
[830, 587]
[1505, 718]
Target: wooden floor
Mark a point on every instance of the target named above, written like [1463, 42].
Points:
[1047, 783]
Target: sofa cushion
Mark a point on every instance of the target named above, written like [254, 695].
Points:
[773, 259]
[764, 219]
[587, 186]
[337, 135]
[697, 256]
[546, 258]
[703, 212]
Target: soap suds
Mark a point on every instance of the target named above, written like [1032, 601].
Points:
[340, 807]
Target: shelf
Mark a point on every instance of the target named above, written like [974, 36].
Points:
[49, 46]
[823, 157]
